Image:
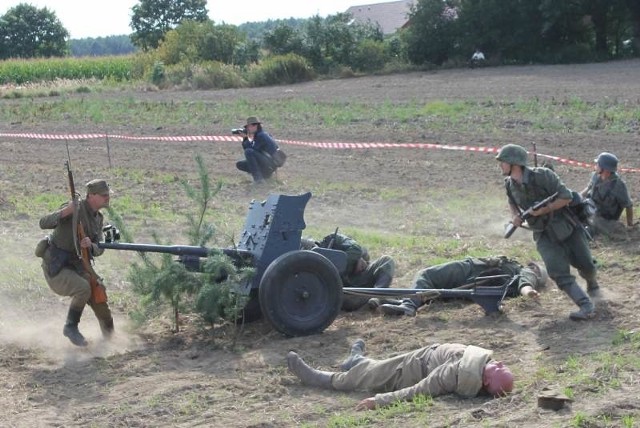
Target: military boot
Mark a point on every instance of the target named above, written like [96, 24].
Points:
[106, 327]
[307, 375]
[355, 355]
[580, 298]
[70, 329]
[407, 307]
[375, 302]
[593, 289]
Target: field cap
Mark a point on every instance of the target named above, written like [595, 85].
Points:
[98, 186]
[252, 120]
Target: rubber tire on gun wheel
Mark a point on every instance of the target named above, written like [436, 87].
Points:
[300, 293]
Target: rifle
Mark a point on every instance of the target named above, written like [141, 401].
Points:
[525, 215]
[488, 297]
[98, 293]
[333, 239]
[535, 155]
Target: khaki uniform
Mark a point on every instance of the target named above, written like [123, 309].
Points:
[72, 280]
[433, 370]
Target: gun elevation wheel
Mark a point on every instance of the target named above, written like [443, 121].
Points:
[300, 293]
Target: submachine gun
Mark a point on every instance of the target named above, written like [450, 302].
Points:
[299, 292]
[525, 215]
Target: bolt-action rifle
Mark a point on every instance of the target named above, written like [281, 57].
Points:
[98, 293]
[525, 215]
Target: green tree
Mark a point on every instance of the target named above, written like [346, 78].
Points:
[28, 32]
[283, 39]
[152, 19]
[432, 35]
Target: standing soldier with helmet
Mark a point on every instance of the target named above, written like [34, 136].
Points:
[610, 195]
[560, 242]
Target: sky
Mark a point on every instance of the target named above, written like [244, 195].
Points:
[100, 18]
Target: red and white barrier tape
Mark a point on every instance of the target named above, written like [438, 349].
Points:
[321, 145]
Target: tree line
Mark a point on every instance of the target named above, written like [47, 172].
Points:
[440, 32]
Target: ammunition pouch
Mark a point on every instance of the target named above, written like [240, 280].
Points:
[41, 247]
[58, 259]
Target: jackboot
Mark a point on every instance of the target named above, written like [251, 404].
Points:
[355, 355]
[407, 308]
[70, 329]
[307, 375]
[106, 327]
[593, 289]
[375, 302]
[580, 298]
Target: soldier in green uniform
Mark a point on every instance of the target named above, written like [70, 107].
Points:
[63, 269]
[609, 193]
[560, 242]
[433, 370]
[361, 271]
[465, 272]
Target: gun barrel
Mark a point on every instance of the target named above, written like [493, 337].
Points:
[178, 250]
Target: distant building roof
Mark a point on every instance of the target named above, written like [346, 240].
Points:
[391, 16]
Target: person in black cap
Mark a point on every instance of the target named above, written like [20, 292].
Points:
[63, 269]
[260, 158]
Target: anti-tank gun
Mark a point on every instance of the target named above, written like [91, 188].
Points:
[299, 292]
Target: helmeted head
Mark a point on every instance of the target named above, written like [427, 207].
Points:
[513, 154]
[497, 379]
[607, 161]
[541, 273]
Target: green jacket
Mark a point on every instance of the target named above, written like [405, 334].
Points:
[537, 185]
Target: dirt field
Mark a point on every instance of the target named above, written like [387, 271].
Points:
[150, 376]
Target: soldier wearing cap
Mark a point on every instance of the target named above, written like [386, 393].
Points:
[609, 193]
[559, 241]
[259, 148]
[63, 269]
[438, 369]
[457, 273]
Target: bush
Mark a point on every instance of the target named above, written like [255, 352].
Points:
[369, 56]
[279, 70]
[215, 75]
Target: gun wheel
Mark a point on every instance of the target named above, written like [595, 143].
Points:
[300, 293]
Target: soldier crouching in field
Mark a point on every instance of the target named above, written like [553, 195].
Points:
[63, 269]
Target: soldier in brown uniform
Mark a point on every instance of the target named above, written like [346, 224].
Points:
[433, 370]
[63, 269]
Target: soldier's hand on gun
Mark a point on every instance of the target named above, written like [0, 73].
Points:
[86, 242]
[516, 220]
[541, 211]
[367, 404]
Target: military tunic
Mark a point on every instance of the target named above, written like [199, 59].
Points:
[433, 370]
[610, 196]
[560, 243]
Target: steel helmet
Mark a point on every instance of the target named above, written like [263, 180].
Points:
[513, 154]
[607, 161]
[541, 273]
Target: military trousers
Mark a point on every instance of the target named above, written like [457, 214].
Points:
[559, 256]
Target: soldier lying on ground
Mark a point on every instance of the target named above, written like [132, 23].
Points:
[462, 272]
[434, 370]
[361, 271]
